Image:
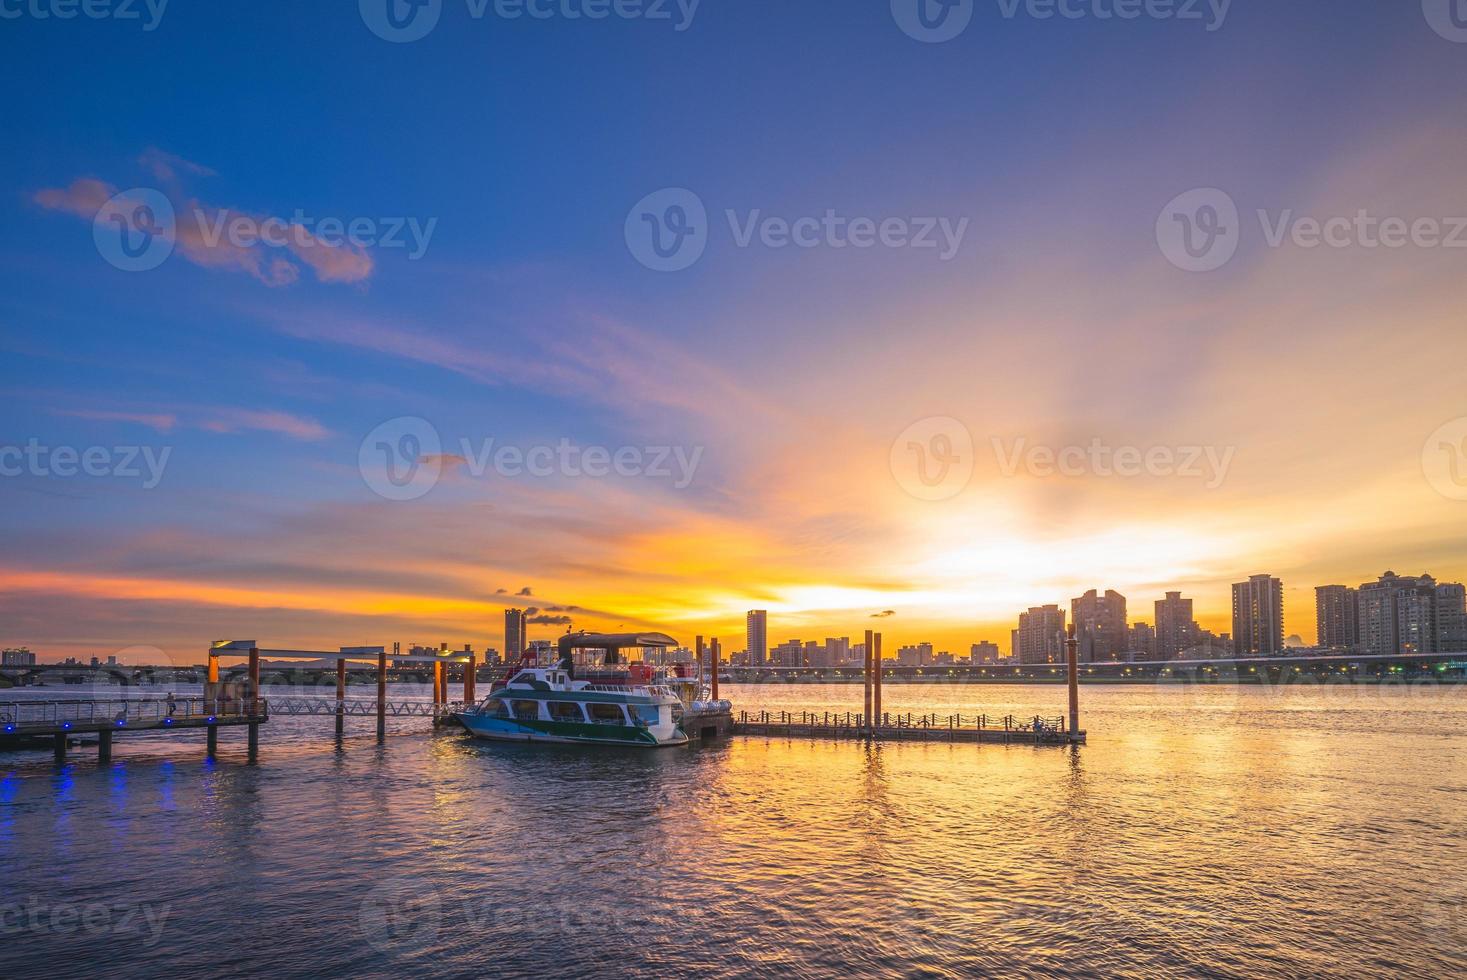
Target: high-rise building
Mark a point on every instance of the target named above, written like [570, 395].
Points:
[837, 650]
[1451, 618]
[1100, 625]
[1040, 638]
[1337, 613]
[1411, 614]
[1140, 642]
[1176, 629]
[515, 640]
[983, 652]
[1258, 617]
[756, 636]
[17, 657]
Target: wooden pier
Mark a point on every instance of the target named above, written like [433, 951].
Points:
[28, 722]
[908, 727]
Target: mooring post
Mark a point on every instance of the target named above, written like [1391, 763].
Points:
[715, 654]
[340, 697]
[252, 703]
[470, 670]
[866, 676]
[437, 687]
[382, 695]
[1074, 669]
[104, 745]
[876, 717]
[211, 742]
[59, 744]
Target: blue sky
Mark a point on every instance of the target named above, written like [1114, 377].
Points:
[528, 319]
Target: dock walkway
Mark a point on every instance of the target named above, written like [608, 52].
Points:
[907, 727]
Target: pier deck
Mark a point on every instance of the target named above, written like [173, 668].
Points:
[26, 722]
[907, 727]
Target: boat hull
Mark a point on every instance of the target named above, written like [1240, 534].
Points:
[532, 730]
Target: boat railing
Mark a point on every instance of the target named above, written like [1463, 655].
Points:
[653, 690]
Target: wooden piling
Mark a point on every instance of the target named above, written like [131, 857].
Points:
[211, 743]
[252, 702]
[876, 685]
[104, 746]
[471, 670]
[866, 677]
[58, 742]
[340, 698]
[382, 696]
[715, 655]
[1072, 663]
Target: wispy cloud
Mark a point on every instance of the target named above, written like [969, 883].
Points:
[283, 423]
[160, 421]
[208, 235]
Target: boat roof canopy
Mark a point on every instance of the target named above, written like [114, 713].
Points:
[613, 641]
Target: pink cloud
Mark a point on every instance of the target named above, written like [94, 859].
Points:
[214, 237]
[331, 263]
[83, 198]
[161, 422]
[283, 423]
[167, 166]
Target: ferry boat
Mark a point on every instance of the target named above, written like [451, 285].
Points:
[577, 699]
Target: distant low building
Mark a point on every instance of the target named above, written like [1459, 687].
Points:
[983, 652]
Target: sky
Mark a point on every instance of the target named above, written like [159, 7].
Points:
[652, 313]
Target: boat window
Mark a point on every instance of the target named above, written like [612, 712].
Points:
[605, 714]
[495, 708]
[645, 714]
[527, 710]
[565, 711]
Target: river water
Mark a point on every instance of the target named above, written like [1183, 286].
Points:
[1221, 831]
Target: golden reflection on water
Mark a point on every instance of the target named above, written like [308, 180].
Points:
[1234, 832]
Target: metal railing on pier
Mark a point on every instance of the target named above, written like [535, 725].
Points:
[20, 717]
[908, 726]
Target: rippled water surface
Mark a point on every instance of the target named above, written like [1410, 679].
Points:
[1222, 832]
